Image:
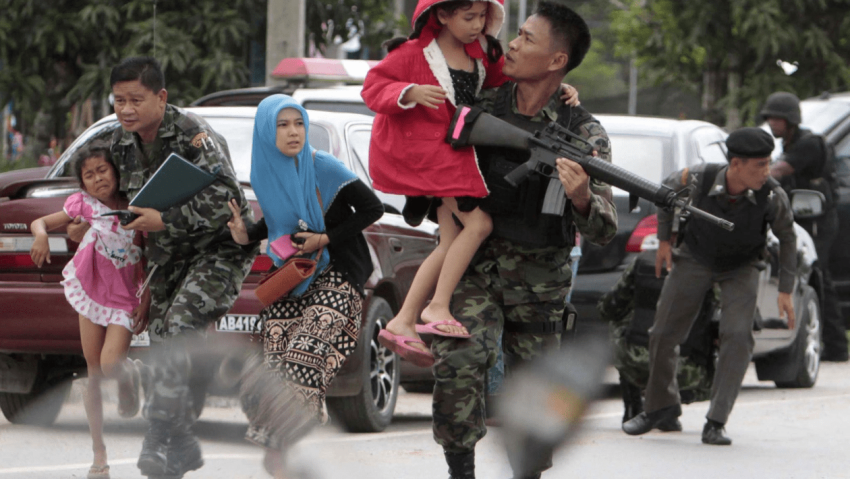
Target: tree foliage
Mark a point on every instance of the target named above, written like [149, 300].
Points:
[339, 20]
[729, 48]
[54, 54]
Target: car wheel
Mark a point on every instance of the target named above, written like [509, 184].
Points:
[371, 410]
[799, 366]
[39, 407]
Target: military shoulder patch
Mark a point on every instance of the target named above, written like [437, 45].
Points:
[200, 140]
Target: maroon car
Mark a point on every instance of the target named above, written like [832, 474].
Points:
[40, 349]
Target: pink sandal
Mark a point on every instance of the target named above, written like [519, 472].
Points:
[98, 472]
[401, 345]
[431, 328]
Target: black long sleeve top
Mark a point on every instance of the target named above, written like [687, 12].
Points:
[354, 208]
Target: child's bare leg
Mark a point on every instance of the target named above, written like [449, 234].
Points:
[115, 364]
[423, 283]
[92, 337]
[477, 225]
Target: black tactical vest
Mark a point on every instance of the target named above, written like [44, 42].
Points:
[516, 211]
[726, 250]
[822, 179]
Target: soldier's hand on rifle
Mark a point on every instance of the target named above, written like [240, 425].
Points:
[429, 96]
[663, 255]
[786, 307]
[149, 220]
[576, 184]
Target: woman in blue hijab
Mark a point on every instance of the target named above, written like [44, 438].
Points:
[308, 334]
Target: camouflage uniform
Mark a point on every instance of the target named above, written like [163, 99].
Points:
[632, 360]
[199, 269]
[508, 282]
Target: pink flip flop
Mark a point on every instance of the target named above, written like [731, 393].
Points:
[431, 328]
[401, 345]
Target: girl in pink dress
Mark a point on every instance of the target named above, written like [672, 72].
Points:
[101, 284]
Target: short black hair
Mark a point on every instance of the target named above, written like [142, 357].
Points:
[568, 28]
[145, 69]
[95, 149]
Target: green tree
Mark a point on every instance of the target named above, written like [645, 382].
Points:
[373, 20]
[55, 54]
[727, 49]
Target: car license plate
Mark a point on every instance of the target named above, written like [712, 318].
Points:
[238, 323]
[140, 340]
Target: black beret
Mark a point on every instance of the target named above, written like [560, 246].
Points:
[749, 142]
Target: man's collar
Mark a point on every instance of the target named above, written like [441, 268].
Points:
[549, 112]
[719, 187]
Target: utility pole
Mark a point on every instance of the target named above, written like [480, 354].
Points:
[284, 32]
[633, 77]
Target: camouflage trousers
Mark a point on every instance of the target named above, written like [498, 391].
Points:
[461, 365]
[632, 362]
[186, 296]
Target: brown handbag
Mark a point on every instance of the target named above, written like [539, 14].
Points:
[281, 281]
[284, 279]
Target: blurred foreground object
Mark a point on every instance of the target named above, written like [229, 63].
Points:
[544, 402]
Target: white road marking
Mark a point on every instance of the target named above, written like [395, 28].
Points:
[384, 436]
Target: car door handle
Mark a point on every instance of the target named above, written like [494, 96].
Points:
[396, 245]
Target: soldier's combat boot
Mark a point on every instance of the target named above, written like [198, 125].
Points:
[632, 402]
[715, 434]
[461, 465]
[184, 452]
[153, 460]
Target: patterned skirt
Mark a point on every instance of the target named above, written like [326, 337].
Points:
[306, 340]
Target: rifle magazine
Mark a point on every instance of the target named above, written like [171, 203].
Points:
[555, 200]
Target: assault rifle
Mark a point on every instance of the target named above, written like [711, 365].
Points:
[472, 126]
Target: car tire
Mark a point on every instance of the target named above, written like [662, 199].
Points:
[798, 366]
[371, 410]
[39, 407]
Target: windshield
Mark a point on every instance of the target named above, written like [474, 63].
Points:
[821, 115]
[238, 132]
[644, 156]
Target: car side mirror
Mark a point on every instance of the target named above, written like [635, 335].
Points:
[807, 204]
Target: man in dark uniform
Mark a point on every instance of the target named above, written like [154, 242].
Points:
[742, 192]
[520, 277]
[805, 164]
[196, 270]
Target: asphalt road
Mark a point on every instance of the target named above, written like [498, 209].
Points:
[776, 433]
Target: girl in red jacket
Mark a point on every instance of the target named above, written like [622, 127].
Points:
[450, 56]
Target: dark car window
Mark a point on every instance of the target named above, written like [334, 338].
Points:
[842, 161]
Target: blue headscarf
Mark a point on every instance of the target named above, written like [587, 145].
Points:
[287, 194]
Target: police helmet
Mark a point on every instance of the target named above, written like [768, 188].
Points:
[782, 105]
